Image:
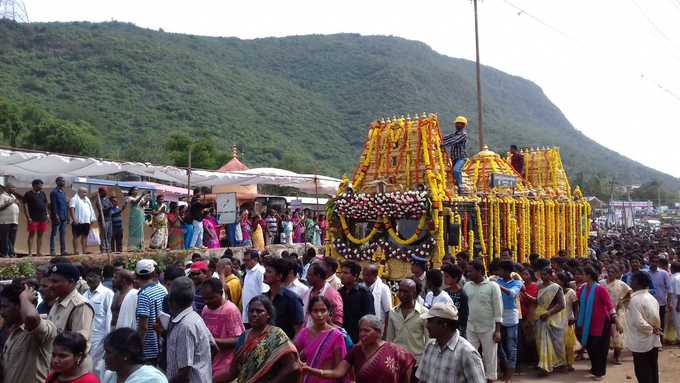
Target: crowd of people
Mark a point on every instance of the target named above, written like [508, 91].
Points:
[98, 219]
[286, 318]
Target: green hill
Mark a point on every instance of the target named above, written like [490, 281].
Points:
[302, 102]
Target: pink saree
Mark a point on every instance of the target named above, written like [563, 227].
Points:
[323, 351]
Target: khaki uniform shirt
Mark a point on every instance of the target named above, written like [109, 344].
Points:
[410, 332]
[26, 354]
[81, 319]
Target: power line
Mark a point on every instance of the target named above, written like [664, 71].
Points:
[522, 11]
[656, 28]
[567, 36]
[676, 3]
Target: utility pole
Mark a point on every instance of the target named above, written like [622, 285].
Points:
[479, 83]
[189, 173]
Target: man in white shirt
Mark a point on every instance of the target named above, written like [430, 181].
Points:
[485, 316]
[382, 295]
[9, 219]
[331, 266]
[293, 283]
[82, 215]
[434, 280]
[675, 295]
[124, 306]
[101, 298]
[253, 282]
[643, 329]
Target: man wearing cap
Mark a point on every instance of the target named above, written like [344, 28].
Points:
[149, 303]
[59, 216]
[448, 357]
[72, 312]
[200, 272]
[104, 206]
[9, 219]
[35, 209]
[457, 141]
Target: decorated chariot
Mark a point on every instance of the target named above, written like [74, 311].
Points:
[401, 203]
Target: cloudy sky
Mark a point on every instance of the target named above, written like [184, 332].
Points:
[612, 66]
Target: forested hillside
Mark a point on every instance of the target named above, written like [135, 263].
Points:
[300, 102]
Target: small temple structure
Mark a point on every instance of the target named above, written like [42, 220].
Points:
[243, 192]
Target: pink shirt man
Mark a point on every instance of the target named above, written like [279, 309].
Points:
[223, 322]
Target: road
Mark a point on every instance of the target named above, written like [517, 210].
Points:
[669, 365]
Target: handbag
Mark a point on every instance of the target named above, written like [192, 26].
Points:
[93, 237]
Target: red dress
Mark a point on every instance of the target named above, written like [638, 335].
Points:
[87, 378]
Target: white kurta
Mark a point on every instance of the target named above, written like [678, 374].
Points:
[100, 299]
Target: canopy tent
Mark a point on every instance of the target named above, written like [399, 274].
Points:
[27, 165]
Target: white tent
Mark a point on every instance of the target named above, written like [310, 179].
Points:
[25, 166]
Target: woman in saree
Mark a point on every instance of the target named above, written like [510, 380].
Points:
[298, 227]
[212, 239]
[372, 360]
[549, 333]
[595, 318]
[159, 224]
[136, 219]
[527, 302]
[258, 232]
[321, 345]
[568, 319]
[187, 226]
[323, 226]
[264, 354]
[246, 230]
[175, 231]
[619, 293]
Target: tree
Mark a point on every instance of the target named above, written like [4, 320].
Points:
[295, 163]
[11, 122]
[653, 191]
[204, 153]
[55, 135]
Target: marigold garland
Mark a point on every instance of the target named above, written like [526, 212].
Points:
[422, 223]
[480, 227]
[352, 238]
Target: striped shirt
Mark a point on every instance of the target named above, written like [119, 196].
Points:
[189, 342]
[149, 303]
[458, 362]
[457, 143]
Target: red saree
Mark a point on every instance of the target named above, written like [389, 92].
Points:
[390, 364]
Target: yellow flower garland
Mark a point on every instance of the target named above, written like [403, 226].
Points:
[372, 136]
[490, 246]
[395, 236]
[480, 227]
[352, 238]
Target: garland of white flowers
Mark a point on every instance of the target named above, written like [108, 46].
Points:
[395, 205]
[422, 249]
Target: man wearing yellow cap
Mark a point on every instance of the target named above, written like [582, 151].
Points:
[457, 141]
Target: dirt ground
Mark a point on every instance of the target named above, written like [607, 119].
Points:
[669, 367]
